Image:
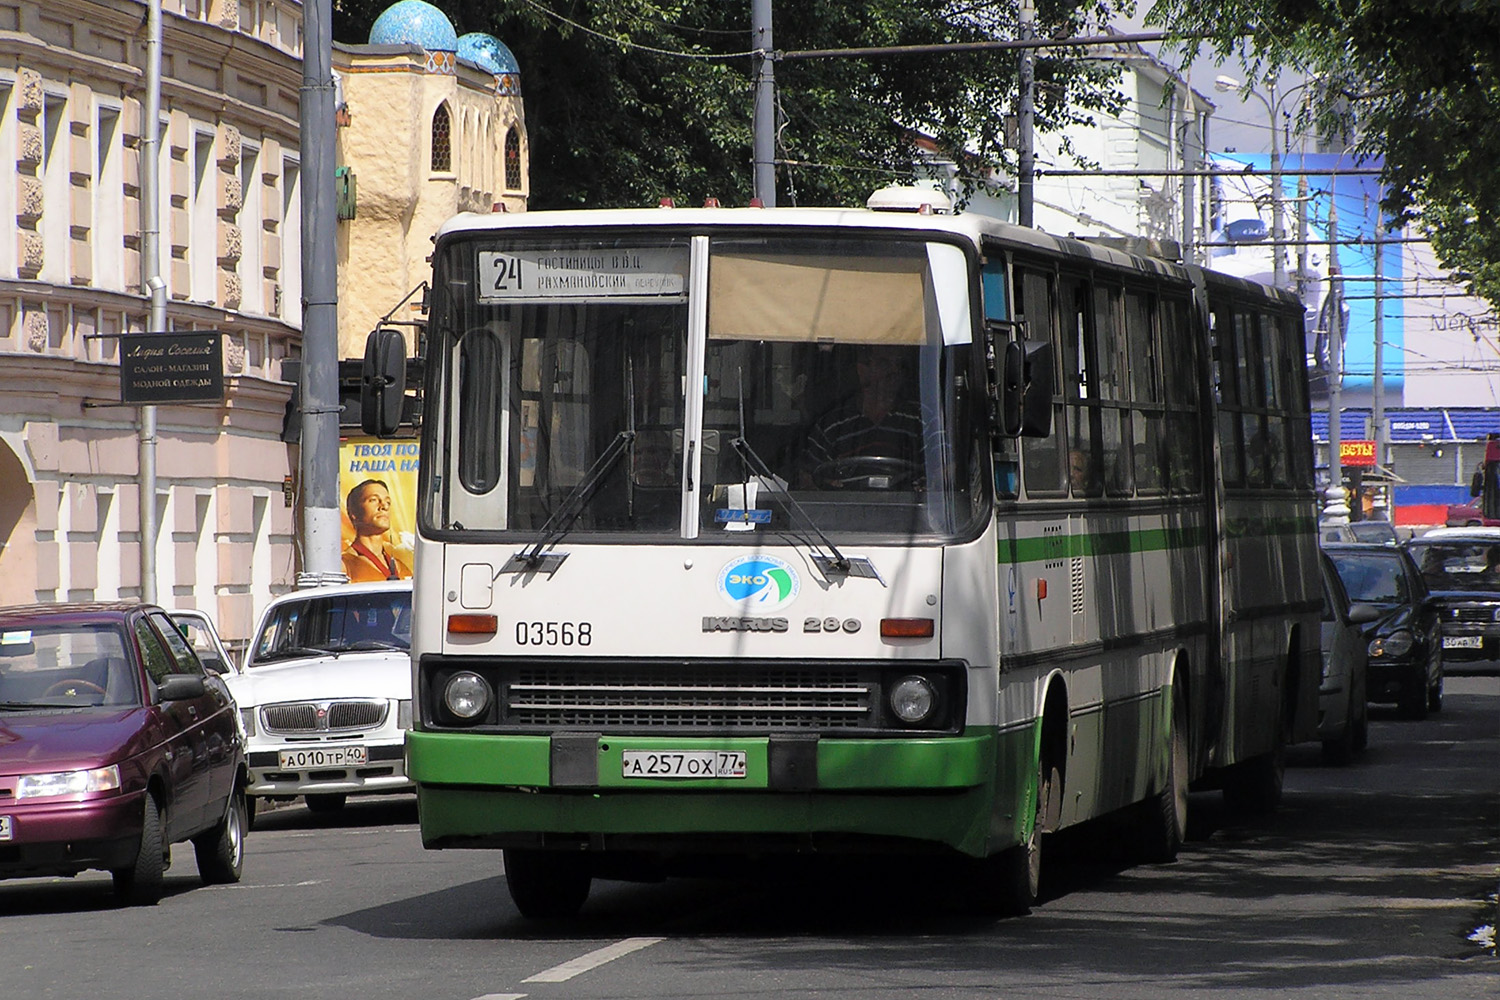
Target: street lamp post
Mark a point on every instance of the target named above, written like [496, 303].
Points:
[1227, 84]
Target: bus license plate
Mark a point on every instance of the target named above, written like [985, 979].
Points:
[5, 831]
[1463, 641]
[314, 757]
[683, 763]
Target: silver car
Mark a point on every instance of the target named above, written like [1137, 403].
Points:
[1343, 709]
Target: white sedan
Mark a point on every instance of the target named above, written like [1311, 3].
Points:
[325, 694]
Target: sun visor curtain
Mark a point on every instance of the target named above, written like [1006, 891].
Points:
[846, 300]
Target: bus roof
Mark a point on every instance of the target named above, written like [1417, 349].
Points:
[975, 228]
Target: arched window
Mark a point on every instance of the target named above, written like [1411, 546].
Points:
[442, 140]
[513, 160]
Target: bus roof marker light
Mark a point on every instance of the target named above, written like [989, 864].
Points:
[710, 202]
[907, 628]
[467, 624]
[666, 203]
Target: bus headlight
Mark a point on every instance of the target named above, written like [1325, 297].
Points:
[913, 699]
[466, 695]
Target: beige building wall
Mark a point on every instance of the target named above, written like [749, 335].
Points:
[72, 89]
[395, 99]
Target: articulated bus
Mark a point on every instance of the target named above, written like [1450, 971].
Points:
[747, 532]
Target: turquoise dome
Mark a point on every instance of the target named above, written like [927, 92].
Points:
[488, 53]
[413, 22]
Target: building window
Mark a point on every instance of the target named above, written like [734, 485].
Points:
[442, 141]
[513, 160]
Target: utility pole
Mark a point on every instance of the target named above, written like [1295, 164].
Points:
[321, 528]
[1025, 120]
[1336, 511]
[1278, 265]
[764, 113]
[1301, 282]
[1377, 390]
[156, 289]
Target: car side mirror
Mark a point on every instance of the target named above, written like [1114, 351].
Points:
[180, 687]
[1363, 614]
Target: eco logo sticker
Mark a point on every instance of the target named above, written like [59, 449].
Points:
[759, 583]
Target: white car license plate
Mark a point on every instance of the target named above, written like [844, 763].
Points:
[683, 763]
[1463, 641]
[315, 757]
[5, 831]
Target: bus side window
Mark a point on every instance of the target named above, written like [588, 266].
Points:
[1041, 457]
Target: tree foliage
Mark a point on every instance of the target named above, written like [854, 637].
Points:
[1418, 81]
[627, 102]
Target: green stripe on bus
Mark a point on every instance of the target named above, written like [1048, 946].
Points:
[1113, 543]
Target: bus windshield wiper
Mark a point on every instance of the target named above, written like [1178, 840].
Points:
[831, 563]
[535, 555]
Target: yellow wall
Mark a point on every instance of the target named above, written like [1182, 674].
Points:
[392, 96]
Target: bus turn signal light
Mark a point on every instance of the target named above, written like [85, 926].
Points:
[473, 624]
[907, 628]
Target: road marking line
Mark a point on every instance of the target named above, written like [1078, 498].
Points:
[594, 959]
[501, 996]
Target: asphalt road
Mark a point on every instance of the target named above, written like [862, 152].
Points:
[1373, 881]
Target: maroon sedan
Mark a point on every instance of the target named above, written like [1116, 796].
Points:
[115, 744]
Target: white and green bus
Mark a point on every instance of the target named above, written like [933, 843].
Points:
[746, 531]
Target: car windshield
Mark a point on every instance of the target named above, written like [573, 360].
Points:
[1373, 531]
[1459, 564]
[66, 666]
[1372, 576]
[335, 623]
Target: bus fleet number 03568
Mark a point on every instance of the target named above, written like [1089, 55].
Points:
[554, 633]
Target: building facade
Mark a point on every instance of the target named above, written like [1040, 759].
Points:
[426, 131]
[72, 94]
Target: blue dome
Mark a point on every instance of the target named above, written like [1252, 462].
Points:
[413, 22]
[488, 53]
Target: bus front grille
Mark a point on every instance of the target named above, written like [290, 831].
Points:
[687, 696]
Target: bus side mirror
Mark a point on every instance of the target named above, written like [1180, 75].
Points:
[1012, 389]
[1036, 398]
[382, 382]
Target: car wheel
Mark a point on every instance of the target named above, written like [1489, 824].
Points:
[140, 883]
[1362, 723]
[1435, 696]
[221, 850]
[327, 803]
[547, 885]
[249, 813]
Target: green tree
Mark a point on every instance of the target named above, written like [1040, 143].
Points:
[627, 102]
[1417, 81]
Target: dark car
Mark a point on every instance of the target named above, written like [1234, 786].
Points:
[1343, 699]
[1462, 569]
[1405, 642]
[115, 744]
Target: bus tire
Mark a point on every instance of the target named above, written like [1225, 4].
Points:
[1164, 815]
[547, 885]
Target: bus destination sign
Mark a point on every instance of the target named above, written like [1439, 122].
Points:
[531, 275]
[172, 368]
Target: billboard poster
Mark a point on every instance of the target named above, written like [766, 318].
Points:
[1241, 244]
[378, 484]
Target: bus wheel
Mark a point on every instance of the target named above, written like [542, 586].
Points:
[1164, 815]
[1253, 787]
[547, 885]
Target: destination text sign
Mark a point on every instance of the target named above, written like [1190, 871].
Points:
[172, 368]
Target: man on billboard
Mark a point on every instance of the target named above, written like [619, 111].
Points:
[370, 556]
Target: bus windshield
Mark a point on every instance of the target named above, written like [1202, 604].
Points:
[833, 374]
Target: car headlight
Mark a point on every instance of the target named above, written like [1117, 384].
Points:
[466, 695]
[1327, 662]
[403, 713]
[913, 699]
[36, 786]
[247, 721]
[1398, 643]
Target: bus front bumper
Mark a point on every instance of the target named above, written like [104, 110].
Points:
[573, 790]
